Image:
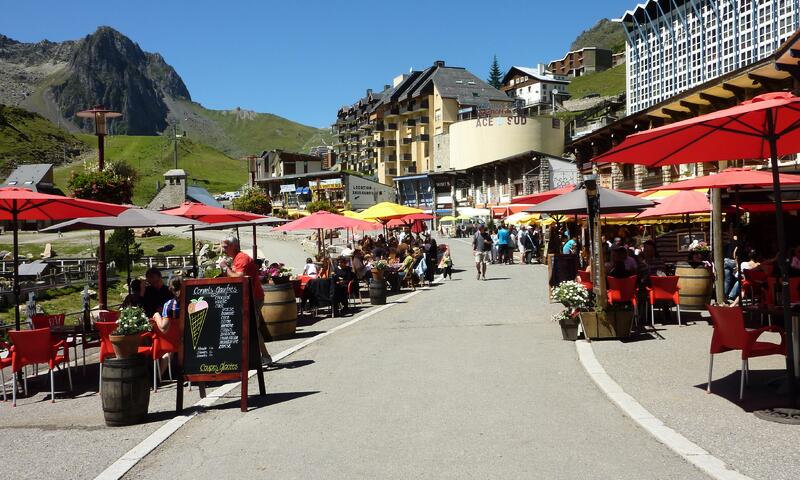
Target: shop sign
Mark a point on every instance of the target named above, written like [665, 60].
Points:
[290, 188]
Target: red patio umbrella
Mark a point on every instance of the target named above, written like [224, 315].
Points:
[540, 197]
[681, 203]
[22, 204]
[323, 220]
[768, 126]
[733, 178]
[208, 214]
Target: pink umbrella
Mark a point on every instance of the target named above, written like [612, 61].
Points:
[323, 220]
[681, 203]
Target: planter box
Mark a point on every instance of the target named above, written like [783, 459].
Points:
[569, 329]
[617, 324]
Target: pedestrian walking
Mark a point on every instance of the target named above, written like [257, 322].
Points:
[446, 265]
[481, 246]
[502, 243]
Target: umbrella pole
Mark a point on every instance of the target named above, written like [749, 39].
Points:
[14, 228]
[128, 259]
[194, 255]
[782, 259]
[255, 246]
[716, 250]
[101, 272]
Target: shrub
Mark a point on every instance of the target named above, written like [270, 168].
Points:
[321, 205]
[115, 248]
[254, 200]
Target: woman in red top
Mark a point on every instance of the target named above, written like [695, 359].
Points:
[243, 265]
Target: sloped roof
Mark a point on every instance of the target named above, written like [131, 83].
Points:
[201, 195]
[534, 73]
[466, 88]
[29, 176]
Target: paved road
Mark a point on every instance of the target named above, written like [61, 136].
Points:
[467, 380]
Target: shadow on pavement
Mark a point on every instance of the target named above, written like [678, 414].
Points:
[764, 389]
[258, 401]
[289, 365]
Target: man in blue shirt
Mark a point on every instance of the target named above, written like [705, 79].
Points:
[571, 246]
[502, 243]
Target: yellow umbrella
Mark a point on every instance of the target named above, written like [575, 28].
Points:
[662, 194]
[293, 212]
[463, 217]
[448, 218]
[386, 211]
[350, 214]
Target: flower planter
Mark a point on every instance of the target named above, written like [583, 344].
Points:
[569, 328]
[125, 346]
[377, 275]
[617, 324]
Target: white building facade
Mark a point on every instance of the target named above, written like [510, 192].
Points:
[674, 45]
[533, 86]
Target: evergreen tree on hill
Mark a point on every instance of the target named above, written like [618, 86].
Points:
[495, 74]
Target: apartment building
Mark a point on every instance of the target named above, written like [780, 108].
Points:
[583, 61]
[389, 133]
[534, 87]
[674, 45]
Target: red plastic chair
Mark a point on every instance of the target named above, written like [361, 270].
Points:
[163, 343]
[664, 290]
[33, 347]
[755, 282]
[585, 279]
[108, 315]
[730, 334]
[56, 320]
[4, 362]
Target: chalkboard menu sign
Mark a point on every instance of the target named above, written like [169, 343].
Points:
[562, 267]
[217, 318]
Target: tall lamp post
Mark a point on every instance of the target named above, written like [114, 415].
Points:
[100, 115]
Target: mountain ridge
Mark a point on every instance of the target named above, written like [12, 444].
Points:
[58, 79]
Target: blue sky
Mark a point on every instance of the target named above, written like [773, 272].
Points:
[304, 59]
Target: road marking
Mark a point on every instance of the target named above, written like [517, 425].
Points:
[120, 467]
[690, 451]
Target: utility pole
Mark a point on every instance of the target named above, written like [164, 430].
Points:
[175, 140]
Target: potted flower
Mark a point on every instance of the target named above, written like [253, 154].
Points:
[614, 321]
[574, 297]
[279, 273]
[126, 338]
[377, 270]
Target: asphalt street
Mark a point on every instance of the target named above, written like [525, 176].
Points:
[469, 379]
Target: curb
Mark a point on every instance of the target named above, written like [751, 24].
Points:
[688, 450]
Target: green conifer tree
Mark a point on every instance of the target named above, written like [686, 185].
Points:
[495, 75]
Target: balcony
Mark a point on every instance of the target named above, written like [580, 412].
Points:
[390, 143]
[391, 127]
[393, 111]
[391, 171]
[407, 140]
[423, 105]
[379, 127]
[423, 120]
[406, 157]
[410, 170]
[390, 158]
[424, 137]
[377, 144]
[411, 122]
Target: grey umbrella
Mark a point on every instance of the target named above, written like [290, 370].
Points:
[131, 218]
[236, 225]
[574, 202]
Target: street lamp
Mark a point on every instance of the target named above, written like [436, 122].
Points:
[100, 115]
[555, 92]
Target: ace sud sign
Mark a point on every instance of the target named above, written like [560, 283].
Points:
[501, 121]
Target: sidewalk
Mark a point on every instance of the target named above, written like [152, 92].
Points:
[668, 377]
[469, 379]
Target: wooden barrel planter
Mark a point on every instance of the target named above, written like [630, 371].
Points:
[125, 390]
[695, 285]
[280, 310]
[377, 292]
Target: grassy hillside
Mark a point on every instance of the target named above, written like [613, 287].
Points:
[608, 82]
[152, 156]
[27, 137]
[604, 34]
[242, 132]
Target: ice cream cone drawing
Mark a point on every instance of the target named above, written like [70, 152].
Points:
[198, 310]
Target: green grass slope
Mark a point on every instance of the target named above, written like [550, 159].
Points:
[241, 132]
[27, 137]
[604, 34]
[151, 156]
[607, 82]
